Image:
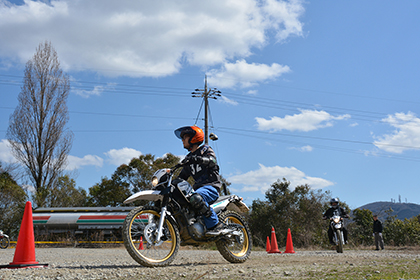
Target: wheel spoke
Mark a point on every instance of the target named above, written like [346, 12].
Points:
[142, 236]
[237, 248]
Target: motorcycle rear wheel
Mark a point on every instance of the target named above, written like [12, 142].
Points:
[339, 241]
[139, 231]
[234, 250]
[4, 243]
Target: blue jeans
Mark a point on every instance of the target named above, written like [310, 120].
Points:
[209, 195]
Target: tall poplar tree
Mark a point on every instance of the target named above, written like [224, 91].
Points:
[37, 129]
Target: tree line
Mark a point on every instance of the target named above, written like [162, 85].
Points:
[40, 141]
[299, 209]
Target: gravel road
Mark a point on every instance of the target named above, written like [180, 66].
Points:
[115, 263]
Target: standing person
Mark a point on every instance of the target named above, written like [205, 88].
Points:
[335, 207]
[201, 164]
[377, 232]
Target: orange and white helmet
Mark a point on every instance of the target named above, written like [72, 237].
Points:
[196, 134]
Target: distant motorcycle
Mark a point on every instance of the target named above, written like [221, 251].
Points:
[152, 234]
[4, 240]
[337, 225]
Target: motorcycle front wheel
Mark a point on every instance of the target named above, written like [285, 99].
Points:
[4, 242]
[339, 241]
[139, 235]
[237, 248]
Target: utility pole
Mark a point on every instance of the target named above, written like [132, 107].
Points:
[206, 94]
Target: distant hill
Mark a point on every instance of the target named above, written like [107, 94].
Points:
[401, 210]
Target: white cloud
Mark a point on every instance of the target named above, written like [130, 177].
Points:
[96, 91]
[284, 15]
[73, 162]
[307, 120]
[124, 155]
[406, 135]
[115, 157]
[76, 162]
[244, 74]
[5, 152]
[261, 179]
[146, 38]
[226, 100]
[306, 148]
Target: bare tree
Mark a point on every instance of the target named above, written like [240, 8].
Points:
[37, 129]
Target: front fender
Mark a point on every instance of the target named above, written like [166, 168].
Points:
[151, 195]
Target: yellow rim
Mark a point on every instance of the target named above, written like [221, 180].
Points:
[170, 228]
[245, 245]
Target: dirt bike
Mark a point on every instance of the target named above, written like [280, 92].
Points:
[337, 225]
[153, 233]
[4, 240]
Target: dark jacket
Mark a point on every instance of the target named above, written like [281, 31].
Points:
[377, 226]
[203, 173]
[330, 212]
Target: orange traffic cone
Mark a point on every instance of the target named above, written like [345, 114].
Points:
[267, 245]
[141, 243]
[25, 247]
[274, 247]
[289, 243]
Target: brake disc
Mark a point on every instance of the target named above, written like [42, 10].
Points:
[150, 233]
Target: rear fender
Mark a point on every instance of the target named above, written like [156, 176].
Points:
[224, 202]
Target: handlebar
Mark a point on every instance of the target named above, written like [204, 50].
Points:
[179, 165]
[330, 218]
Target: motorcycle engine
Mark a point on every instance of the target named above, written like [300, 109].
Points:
[198, 229]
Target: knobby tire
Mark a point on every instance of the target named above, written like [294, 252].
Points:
[4, 243]
[340, 241]
[135, 241]
[230, 249]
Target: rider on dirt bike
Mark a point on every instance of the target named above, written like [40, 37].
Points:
[202, 166]
[176, 215]
[4, 240]
[334, 202]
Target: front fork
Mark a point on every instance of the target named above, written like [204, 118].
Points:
[162, 218]
[160, 226]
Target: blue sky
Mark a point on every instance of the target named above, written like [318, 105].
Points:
[323, 93]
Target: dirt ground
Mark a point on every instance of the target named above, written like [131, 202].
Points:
[115, 263]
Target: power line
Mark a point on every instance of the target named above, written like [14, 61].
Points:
[117, 115]
[324, 147]
[360, 115]
[127, 115]
[316, 138]
[254, 101]
[268, 84]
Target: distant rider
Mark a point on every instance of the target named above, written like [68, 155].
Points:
[377, 232]
[334, 202]
[201, 164]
